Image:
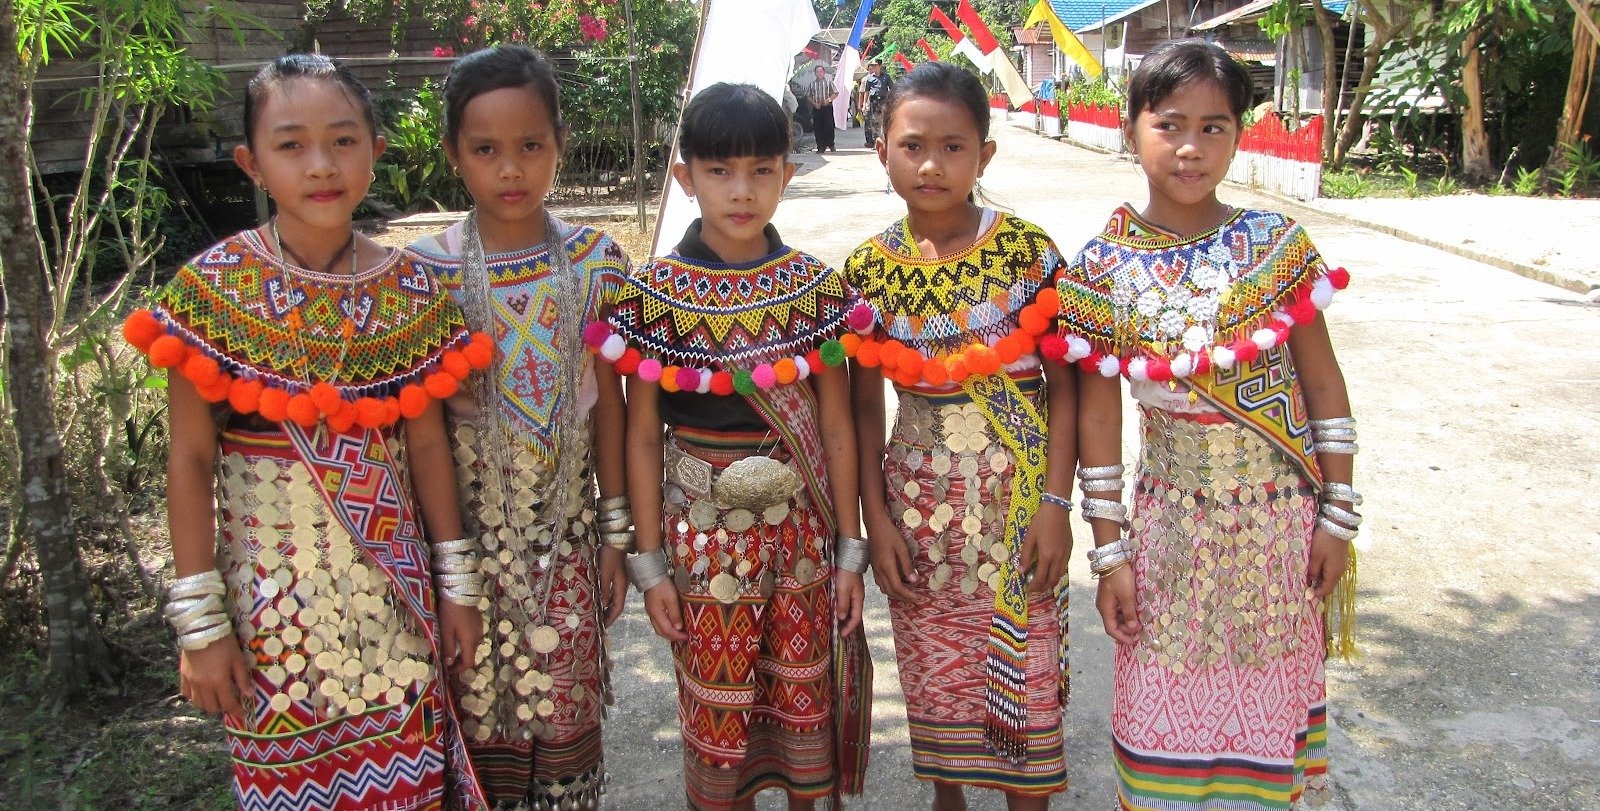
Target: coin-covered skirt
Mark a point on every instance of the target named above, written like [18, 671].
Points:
[1221, 704]
[948, 478]
[755, 681]
[345, 710]
[531, 709]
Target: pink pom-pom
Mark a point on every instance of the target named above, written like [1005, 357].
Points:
[649, 370]
[1340, 278]
[862, 318]
[764, 376]
[688, 379]
[596, 333]
[612, 348]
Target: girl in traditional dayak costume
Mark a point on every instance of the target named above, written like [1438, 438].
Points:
[532, 437]
[956, 297]
[307, 608]
[746, 557]
[1242, 506]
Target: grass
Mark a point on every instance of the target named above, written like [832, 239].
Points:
[137, 749]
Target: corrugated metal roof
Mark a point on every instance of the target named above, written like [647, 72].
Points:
[1258, 8]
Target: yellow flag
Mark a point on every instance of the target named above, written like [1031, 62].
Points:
[1066, 41]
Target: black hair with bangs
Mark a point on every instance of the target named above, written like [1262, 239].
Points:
[1172, 65]
[497, 68]
[733, 121]
[303, 66]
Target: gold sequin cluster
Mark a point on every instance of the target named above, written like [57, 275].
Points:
[1223, 522]
[713, 550]
[326, 632]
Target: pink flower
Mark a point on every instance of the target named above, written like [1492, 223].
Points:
[592, 28]
[471, 21]
[443, 51]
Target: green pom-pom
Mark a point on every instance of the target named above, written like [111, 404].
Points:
[832, 352]
[744, 383]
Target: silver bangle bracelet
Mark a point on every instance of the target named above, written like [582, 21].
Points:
[202, 639]
[1333, 422]
[615, 525]
[1340, 514]
[1117, 546]
[1339, 491]
[607, 503]
[1059, 501]
[1104, 508]
[1344, 448]
[1332, 528]
[1102, 472]
[192, 590]
[1101, 485]
[627, 542]
[646, 570]
[202, 583]
[1346, 434]
[182, 614]
[455, 547]
[851, 554]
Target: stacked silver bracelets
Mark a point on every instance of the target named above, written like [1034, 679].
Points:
[1106, 559]
[1335, 520]
[1335, 435]
[616, 524]
[194, 608]
[850, 554]
[1106, 479]
[646, 570]
[455, 572]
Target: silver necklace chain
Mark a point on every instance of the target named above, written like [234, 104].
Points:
[565, 417]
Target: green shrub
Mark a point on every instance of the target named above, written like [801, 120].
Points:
[1345, 185]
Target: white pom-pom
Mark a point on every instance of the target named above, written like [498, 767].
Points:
[1109, 366]
[802, 367]
[1223, 357]
[1322, 293]
[1182, 365]
[1137, 370]
[1283, 317]
[1077, 348]
[705, 382]
[613, 347]
[1264, 338]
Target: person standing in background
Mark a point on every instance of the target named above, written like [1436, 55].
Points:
[874, 90]
[821, 96]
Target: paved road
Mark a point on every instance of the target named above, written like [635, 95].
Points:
[1478, 393]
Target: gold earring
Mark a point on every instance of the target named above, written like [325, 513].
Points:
[455, 170]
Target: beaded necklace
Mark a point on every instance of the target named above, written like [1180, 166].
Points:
[296, 321]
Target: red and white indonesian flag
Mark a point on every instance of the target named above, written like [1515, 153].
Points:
[844, 78]
[964, 46]
[742, 41]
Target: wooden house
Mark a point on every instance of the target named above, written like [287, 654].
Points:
[187, 138]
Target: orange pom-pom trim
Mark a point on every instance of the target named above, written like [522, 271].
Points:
[786, 371]
[274, 404]
[868, 353]
[201, 370]
[303, 410]
[1033, 322]
[1009, 348]
[958, 369]
[910, 364]
[370, 412]
[244, 396]
[414, 401]
[907, 379]
[851, 342]
[391, 410]
[441, 385]
[1050, 300]
[889, 354]
[479, 354]
[935, 372]
[344, 419]
[141, 329]
[455, 364]
[326, 397]
[168, 351]
[669, 379]
[217, 390]
[982, 360]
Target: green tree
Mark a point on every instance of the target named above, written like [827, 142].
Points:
[70, 259]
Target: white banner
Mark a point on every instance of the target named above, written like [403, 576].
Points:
[742, 41]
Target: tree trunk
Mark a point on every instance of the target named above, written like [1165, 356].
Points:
[78, 653]
[1330, 80]
[1476, 165]
[1585, 50]
[1350, 126]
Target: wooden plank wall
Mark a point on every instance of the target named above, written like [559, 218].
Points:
[61, 125]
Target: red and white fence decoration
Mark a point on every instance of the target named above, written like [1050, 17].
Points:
[1274, 158]
[1096, 126]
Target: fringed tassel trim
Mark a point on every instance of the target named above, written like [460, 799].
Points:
[1339, 614]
